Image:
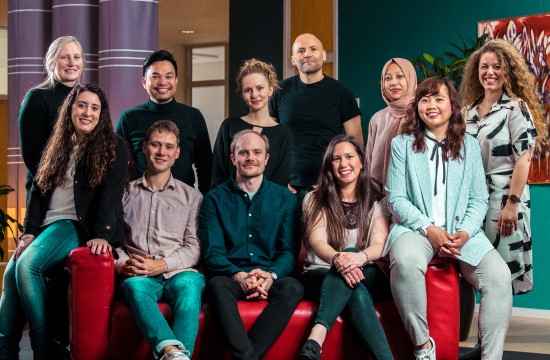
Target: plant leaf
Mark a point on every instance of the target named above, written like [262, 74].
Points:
[428, 57]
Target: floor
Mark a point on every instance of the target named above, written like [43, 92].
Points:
[525, 334]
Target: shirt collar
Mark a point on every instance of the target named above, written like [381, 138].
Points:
[235, 187]
[171, 184]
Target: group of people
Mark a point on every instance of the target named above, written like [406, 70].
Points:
[437, 178]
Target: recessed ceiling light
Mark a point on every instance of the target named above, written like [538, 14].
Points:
[188, 31]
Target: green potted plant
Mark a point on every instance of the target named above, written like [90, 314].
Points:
[429, 66]
[4, 218]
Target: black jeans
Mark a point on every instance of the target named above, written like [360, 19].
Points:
[283, 297]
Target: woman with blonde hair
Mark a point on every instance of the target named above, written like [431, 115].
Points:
[502, 110]
[256, 82]
[63, 64]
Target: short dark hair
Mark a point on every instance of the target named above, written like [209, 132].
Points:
[159, 55]
[162, 126]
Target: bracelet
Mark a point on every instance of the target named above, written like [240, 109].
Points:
[367, 255]
[335, 257]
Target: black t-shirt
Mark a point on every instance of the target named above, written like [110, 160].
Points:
[314, 114]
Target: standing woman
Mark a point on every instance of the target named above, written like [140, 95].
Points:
[345, 232]
[63, 63]
[398, 84]
[76, 199]
[256, 82]
[438, 206]
[502, 110]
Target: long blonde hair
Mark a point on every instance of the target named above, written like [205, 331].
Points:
[519, 82]
[51, 58]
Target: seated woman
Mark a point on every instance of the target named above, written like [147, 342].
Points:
[256, 82]
[342, 242]
[76, 199]
[438, 200]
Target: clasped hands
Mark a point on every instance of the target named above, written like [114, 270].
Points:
[255, 284]
[349, 265]
[448, 245]
[143, 265]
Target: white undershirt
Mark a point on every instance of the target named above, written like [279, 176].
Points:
[438, 201]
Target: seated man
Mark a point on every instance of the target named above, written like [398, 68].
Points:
[248, 227]
[161, 249]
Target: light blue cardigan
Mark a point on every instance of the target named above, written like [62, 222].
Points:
[410, 195]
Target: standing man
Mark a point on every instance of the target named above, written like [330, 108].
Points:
[249, 230]
[315, 108]
[160, 80]
[161, 249]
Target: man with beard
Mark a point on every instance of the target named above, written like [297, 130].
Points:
[249, 232]
[160, 80]
[315, 108]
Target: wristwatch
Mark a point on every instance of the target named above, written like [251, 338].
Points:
[513, 199]
[423, 231]
[273, 274]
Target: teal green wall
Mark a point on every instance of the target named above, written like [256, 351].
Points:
[370, 32]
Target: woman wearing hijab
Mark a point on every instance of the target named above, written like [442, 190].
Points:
[398, 85]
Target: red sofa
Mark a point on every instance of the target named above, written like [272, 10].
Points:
[103, 328]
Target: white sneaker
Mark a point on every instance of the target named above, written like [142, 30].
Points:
[426, 354]
[176, 355]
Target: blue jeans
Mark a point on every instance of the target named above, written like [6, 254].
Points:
[182, 291]
[24, 295]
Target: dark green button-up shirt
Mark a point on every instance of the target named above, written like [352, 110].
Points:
[239, 234]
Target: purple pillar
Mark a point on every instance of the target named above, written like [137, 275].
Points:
[80, 19]
[29, 35]
[128, 34]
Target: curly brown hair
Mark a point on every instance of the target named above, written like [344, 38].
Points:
[96, 149]
[326, 203]
[519, 82]
[255, 66]
[457, 127]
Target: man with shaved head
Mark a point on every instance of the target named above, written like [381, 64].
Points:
[315, 108]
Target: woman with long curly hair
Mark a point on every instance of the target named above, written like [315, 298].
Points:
[438, 207]
[344, 233]
[502, 110]
[256, 83]
[76, 200]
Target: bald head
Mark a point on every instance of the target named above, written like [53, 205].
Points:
[308, 54]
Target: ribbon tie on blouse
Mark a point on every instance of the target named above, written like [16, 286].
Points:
[435, 152]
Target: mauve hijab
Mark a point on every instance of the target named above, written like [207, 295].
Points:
[386, 124]
[398, 108]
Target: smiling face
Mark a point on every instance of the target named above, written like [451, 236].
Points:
[85, 113]
[308, 54]
[346, 164]
[435, 110]
[395, 83]
[491, 75]
[250, 156]
[256, 91]
[69, 64]
[160, 81]
[161, 151]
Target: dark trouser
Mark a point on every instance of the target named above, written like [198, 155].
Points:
[283, 297]
[335, 296]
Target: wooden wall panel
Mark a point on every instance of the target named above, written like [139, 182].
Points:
[315, 17]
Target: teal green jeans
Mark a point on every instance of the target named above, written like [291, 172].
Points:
[24, 294]
[182, 291]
